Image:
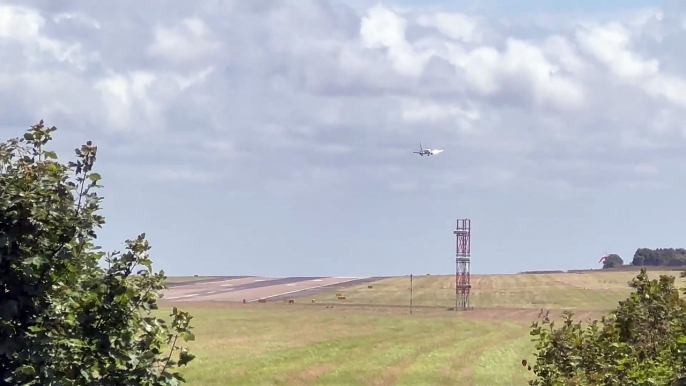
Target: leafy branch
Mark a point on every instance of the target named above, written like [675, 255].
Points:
[63, 318]
[642, 342]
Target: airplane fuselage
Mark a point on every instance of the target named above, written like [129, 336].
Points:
[428, 152]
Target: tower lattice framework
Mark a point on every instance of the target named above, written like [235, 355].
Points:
[463, 284]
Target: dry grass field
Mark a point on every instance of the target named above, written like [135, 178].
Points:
[358, 342]
[579, 291]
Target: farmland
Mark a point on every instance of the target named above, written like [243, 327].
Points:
[370, 338]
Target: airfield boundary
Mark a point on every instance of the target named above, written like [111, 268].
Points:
[592, 290]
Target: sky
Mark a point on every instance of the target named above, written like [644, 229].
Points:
[275, 138]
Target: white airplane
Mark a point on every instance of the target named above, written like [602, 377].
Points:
[427, 152]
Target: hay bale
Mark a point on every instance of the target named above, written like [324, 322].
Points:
[312, 301]
[244, 301]
[341, 298]
[262, 301]
[370, 286]
[291, 302]
[339, 294]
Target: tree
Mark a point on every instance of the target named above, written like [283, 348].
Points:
[612, 261]
[642, 342]
[64, 319]
[672, 257]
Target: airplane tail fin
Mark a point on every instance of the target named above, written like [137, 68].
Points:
[420, 146]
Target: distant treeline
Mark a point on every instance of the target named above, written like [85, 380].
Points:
[621, 268]
[669, 257]
[661, 258]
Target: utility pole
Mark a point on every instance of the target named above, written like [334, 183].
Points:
[410, 293]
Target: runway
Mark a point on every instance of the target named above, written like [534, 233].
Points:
[251, 289]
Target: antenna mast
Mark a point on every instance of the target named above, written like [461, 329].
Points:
[463, 283]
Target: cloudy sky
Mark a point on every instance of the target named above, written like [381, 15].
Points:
[275, 137]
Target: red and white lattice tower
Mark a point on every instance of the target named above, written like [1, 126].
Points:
[463, 283]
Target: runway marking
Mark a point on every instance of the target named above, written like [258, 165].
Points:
[182, 296]
[291, 284]
[211, 292]
[305, 289]
[256, 280]
[227, 285]
[318, 280]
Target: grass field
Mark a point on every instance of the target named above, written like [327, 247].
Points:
[316, 344]
[580, 291]
[305, 345]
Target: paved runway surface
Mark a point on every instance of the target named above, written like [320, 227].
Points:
[236, 289]
[221, 278]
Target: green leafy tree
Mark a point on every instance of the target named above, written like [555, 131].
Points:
[672, 257]
[613, 261]
[642, 342]
[64, 318]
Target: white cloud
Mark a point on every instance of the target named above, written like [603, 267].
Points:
[23, 26]
[296, 92]
[19, 23]
[453, 25]
[192, 39]
[383, 28]
[77, 17]
[611, 46]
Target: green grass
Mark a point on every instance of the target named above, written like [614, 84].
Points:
[313, 344]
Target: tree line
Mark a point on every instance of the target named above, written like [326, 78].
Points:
[646, 257]
[671, 257]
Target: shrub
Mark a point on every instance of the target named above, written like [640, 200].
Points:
[64, 319]
[642, 342]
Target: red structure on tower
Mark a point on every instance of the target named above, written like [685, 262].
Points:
[463, 283]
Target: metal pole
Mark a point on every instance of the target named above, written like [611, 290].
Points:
[410, 294]
[456, 281]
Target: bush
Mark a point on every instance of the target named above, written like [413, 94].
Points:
[642, 342]
[64, 319]
[613, 261]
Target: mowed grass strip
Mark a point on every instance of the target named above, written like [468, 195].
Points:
[291, 345]
[581, 291]
[453, 361]
[500, 365]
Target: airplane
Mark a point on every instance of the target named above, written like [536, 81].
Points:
[427, 152]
